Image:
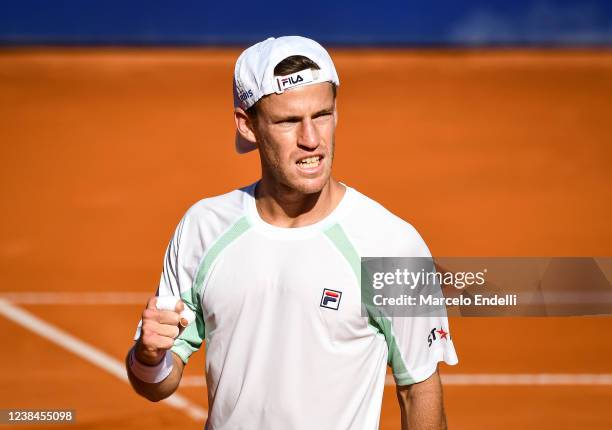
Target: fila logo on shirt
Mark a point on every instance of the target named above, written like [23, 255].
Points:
[441, 334]
[331, 299]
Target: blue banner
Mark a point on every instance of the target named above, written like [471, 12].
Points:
[340, 22]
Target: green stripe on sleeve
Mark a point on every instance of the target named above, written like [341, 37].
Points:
[191, 338]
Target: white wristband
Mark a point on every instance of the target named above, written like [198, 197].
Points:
[151, 374]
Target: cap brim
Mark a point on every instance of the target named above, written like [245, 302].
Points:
[242, 145]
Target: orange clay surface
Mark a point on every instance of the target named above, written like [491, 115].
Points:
[492, 153]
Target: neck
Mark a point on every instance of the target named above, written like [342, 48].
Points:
[282, 206]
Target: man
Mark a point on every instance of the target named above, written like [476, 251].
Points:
[272, 273]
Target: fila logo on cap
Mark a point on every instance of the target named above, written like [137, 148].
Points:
[303, 77]
[331, 299]
[291, 80]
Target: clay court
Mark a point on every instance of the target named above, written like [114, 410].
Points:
[486, 153]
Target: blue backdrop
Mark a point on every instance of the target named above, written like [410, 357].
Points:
[340, 22]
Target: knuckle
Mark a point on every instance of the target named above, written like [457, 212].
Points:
[169, 317]
[149, 314]
[150, 329]
[152, 302]
[147, 324]
[174, 318]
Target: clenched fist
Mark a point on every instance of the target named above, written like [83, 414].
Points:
[161, 324]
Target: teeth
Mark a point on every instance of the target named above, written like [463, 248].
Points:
[309, 162]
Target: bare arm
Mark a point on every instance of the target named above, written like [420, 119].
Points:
[159, 329]
[421, 405]
[161, 390]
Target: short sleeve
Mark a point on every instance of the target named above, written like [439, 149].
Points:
[181, 261]
[419, 343]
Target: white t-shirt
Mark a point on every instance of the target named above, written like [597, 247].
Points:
[279, 310]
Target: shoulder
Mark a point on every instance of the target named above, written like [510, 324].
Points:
[223, 205]
[208, 218]
[377, 232]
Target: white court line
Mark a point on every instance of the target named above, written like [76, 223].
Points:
[140, 298]
[522, 379]
[77, 298]
[472, 379]
[88, 353]
[528, 379]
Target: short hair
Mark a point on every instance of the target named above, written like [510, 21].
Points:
[294, 64]
[290, 65]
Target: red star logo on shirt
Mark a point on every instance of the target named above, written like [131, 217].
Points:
[442, 333]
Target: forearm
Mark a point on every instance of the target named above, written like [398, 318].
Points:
[157, 391]
[422, 405]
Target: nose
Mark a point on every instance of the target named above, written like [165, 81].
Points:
[308, 137]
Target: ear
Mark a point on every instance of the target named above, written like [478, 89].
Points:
[244, 125]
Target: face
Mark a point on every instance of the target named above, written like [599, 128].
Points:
[295, 135]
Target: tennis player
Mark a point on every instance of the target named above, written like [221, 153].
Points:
[272, 273]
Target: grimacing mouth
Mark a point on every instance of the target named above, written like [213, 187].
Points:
[311, 159]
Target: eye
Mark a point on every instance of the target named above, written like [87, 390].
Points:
[288, 121]
[323, 116]
[286, 124]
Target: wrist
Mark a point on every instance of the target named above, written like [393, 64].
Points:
[147, 356]
[151, 374]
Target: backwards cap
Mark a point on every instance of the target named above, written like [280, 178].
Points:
[254, 72]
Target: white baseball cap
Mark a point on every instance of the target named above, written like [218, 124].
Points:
[254, 72]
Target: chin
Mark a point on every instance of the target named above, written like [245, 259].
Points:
[310, 186]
